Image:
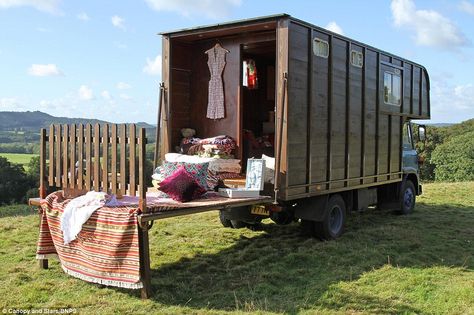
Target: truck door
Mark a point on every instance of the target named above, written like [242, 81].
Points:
[409, 157]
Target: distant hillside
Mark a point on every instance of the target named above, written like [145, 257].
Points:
[440, 124]
[33, 121]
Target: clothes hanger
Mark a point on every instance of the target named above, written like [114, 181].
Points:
[218, 44]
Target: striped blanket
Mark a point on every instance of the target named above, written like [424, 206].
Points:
[106, 249]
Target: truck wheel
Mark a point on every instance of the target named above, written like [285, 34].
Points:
[237, 224]
[282, 217]
[334, 219]
[407, 198]
[225, 222]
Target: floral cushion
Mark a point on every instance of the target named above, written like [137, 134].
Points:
[198, 170]
[181, 186]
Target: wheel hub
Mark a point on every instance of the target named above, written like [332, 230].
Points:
[408, 197]
[335, 219]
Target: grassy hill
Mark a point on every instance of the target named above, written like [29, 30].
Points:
[19, 131]
[384, 264]
[33, 121]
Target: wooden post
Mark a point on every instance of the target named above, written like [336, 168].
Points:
[123, 159]
[97, 157]
[144, 249]
[105, 158]
[132, 160]
[158, 128]
[42, 263]
[113, 164]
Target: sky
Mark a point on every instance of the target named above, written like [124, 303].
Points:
[102, 58]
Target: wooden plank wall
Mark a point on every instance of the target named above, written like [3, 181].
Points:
[83, 158]
[341, 134]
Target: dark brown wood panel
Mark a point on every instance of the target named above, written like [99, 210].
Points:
[354, 119]
[370, 118]
[319, 115]
[298, 104]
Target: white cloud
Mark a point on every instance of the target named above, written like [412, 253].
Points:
[50, 6]
[106, 95]
[467, 7]
[430, 27]
[47, 70]
[10, 104]
[451, 103]
[83, 16]
[125, 97]
[118, 22]
[153, 66]
[123, 86]
[333, 27]
[85, 93]
[210, 8]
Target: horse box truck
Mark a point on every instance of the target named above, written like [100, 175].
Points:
[341, 134]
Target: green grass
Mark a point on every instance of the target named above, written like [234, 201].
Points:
[383, 264]
[19, 158]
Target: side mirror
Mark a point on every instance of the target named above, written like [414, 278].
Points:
[421, 133]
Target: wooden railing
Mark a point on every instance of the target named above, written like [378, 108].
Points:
[81, 158]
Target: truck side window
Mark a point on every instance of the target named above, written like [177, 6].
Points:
[407, 139]
[357, 58]
[392, 88]
[320, 47]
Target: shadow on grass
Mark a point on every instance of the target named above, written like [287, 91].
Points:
[281, 271]
[18, 210]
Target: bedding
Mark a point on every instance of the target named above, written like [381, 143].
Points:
[197, 170]
[106, 250]
[182, 186]
[216, 165]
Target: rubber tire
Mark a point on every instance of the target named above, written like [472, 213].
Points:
[282, 218]
[237, 224]
[225, 222]
[407, 206]
[322, 229]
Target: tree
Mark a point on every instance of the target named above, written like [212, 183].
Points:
[454, 159]
[14, 182]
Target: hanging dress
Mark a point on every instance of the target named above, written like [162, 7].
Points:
[216, 63]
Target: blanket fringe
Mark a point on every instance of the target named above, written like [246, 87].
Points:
[113, 283]
[46, 256]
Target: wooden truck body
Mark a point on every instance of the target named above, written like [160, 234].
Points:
[341, 106]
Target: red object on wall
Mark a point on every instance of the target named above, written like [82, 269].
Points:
[252, 83]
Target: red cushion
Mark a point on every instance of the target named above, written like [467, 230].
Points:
[181, 186]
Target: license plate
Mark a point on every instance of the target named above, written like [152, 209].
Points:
[259, 209]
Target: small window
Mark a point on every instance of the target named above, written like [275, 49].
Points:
[321, 48]
[392, 88]
[357, 59]
[407, 137]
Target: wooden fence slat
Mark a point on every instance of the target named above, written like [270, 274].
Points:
[123, 159]
[42, 183]
[133, 146]
[141, 170]
[51, 156]
[80, 157]
[58, 155]
[88, 143]
[113, 165]
[65, 155]
[72, 163]
[97, 157]
[105, 158]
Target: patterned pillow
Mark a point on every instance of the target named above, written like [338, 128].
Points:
[182, 186]
[197, 170]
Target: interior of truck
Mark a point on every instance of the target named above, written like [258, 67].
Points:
[247, 127]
